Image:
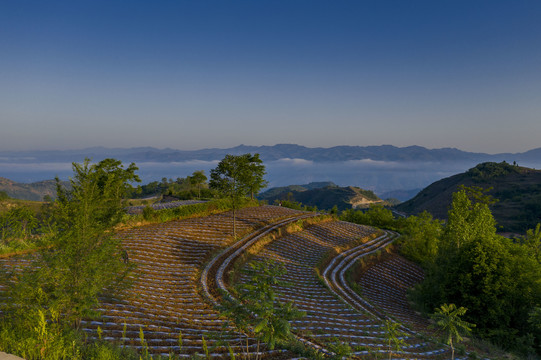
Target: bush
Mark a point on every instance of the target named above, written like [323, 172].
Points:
[3, 195]
[148, 213]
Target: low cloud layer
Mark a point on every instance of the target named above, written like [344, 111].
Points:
[379, 176]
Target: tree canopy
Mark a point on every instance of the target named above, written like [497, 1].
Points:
[198, 178]
[495, 278]
[238, 176]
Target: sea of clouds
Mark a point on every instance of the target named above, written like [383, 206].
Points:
[379, 176]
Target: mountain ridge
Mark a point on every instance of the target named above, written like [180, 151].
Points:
[267, 153]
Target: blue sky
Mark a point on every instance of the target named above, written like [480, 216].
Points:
[191, 75]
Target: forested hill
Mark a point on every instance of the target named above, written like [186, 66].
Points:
[323, 197]
[277, 192]
[517, 189]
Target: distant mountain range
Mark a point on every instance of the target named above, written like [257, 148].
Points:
[517, 189]
[267, 153]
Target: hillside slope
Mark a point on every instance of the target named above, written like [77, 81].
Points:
[517, 189]
[324, 198]
[33, 191]
[272, 193]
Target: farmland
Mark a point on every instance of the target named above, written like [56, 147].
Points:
[182, 264]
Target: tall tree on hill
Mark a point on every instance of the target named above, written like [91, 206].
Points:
[236, 177]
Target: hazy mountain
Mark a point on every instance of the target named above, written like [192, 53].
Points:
[517, 189]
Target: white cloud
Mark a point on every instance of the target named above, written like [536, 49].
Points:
[296, 161]
[35, 166]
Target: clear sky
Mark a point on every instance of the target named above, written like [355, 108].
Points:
[197, 74]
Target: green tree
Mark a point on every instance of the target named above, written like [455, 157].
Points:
[377, 215]
[85, 260]
[197, 179]
[420, 238]
[341, 349]
[258, 309]
[469, 218]
[18, 222]
[393, 336]
[256, 173]
[496, 279]
[236, 177]
[26, 222]
[448, 319]
[532, 240]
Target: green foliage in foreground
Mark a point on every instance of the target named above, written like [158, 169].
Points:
[25, 225]
[45, 303]
[17, 222]
[258, 310]
[497, 279]
[48, 340]
[448, 319]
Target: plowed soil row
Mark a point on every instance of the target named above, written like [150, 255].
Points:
[335, 314]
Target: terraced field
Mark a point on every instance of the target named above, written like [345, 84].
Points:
[335, 314]
[385, 285]
[181, 265]
[165, 300]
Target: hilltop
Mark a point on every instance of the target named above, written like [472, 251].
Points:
[517, 189]
[323, 195]
[272, 193]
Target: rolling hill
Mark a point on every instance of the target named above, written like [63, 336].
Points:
[323, 195]
[272, 193]
[34, 191]
[517, 189]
